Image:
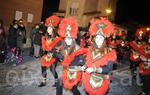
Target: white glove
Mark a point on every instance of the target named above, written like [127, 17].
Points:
[83, 68]
[49, 54]
[143, 58]
[89, 70]
[99, 70]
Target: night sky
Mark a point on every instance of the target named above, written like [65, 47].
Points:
[133, 11]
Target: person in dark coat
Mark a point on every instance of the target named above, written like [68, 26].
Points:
[3, 45]
[12, 36]
[21, 39]
[37, 43]
[32, 35]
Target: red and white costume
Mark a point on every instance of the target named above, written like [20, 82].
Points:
[96, 82]
[71, 76]
[49, 43]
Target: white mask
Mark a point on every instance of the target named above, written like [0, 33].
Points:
[37, 27]
[15, 26]
[50, 30]
[99, 39]
[68, 28]
[68, 41]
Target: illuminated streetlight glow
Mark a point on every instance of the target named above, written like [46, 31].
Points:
[108, 11]
[147, 29]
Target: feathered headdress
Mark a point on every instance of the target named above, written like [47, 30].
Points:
[68, 27]
[52, 21]
[140, 32]
[101, 26]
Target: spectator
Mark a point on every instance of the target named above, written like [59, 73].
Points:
[37, 43]
[1, 24]
[32, 35]
[12, 36]
[21, 38]
[43, 27]
[2, 45]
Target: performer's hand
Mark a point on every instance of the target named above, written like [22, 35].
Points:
[49, 54]
[2, 52]
[83, 68]
[90, 70]
[143, 58]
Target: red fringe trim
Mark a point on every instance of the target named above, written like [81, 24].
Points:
[46, 64]
[55, 21]
[133, 59]
[111, 56]
[143, 72]
[43, 43]
[64, 23]
[67, 61]
[107, 31]
[100, 91]
[48, 47]
[134, 45]
[69, 84]
[142, 51]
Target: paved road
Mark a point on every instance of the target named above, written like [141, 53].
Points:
[23, 80]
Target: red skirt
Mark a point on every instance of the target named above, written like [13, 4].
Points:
[45, 63]
[144, 69]
[70, 79]
[102, 90]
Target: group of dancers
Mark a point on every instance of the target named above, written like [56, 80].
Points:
[91, 66]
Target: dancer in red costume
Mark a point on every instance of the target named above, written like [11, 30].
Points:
[99, 59]
[50, 43]
[72, 57]
[135, 54]
[144, 67]
[123, 48]
[114, 39]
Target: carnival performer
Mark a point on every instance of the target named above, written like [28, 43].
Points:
[99, 59]
[73, 57]
[123, 49]
[50, 44]
[135, 55]
[113, 41]
[144, 67]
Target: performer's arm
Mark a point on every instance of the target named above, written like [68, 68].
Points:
[105, 70]
[78, 61]
[108, 68]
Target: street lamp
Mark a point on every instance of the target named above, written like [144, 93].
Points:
[108, 12]
[148, 29]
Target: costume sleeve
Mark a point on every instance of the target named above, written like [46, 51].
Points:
[108, 68]
[59, 57]
[43, 43]
[78, 61]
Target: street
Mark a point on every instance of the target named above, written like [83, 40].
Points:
[24, 80]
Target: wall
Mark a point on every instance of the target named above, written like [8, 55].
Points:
[98, 8]
[63, 5]
[113, 6]
[102, 6]
[8, 8]
[90, 5]
[105, 4]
